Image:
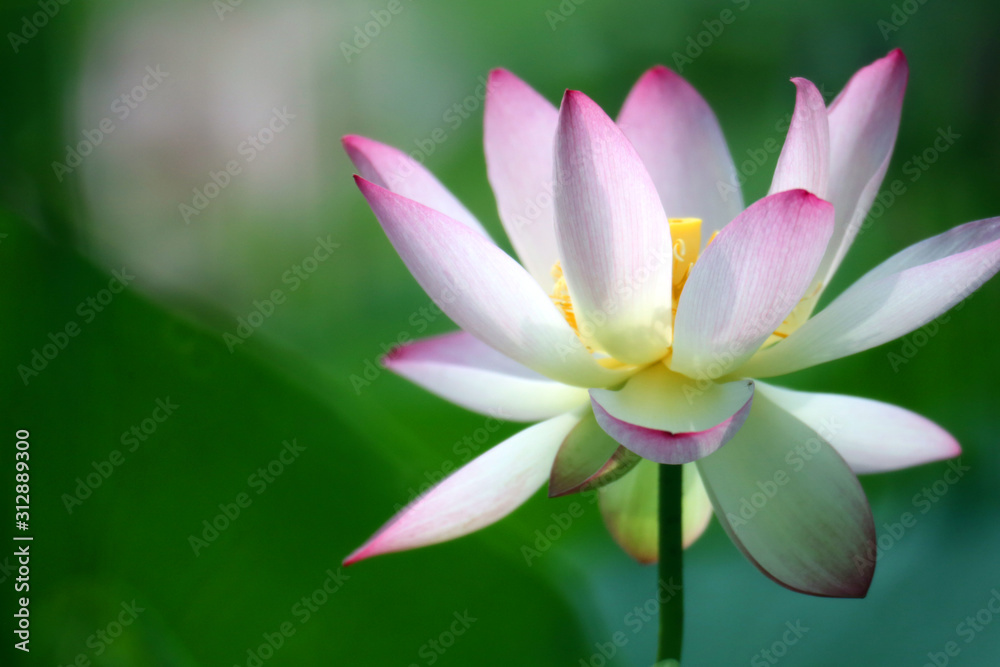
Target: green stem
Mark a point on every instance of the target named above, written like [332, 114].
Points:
[670, 590]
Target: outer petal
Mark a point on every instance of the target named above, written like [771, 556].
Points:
[792, 506]
[629, 508]
[484, 491]
[667, 446]
[614, 238]
[680, 142]
[485, 291]
[588, 459]
[870, 435]
[464, 370]
[864, 121]
[805, 158]
[519, 133]
[902, 294]
[670, 418]
[747, 281]
[630, 511]
[394, 170]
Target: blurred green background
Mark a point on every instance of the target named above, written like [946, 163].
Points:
[223, 68]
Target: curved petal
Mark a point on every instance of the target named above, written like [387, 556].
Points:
[804, 162]
[394, 170]
[670, 418]
[630, 510]
[864, 121]
[485, 291]
[657, 398]
[670, 447]
[588, 459]
[792, 505]
[747, 281]
[519, 135]
[870, 435]
[462, 369]
[902, 294]
[629, 507]
[482, 492]
[679, 140]
[614, 239]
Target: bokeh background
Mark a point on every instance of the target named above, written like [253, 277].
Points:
[223, 69]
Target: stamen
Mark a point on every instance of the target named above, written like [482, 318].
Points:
[685, 233]
[560, 296]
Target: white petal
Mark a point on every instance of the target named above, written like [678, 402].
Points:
[666, 446]
[747, 281]
[871, 436]
[864, 121]
[804, 162]
[679, 140]
[519, 134]
[902, 294]
[464, 370]
[485, 291]
[669, 418]
[659, 399]
[614, 238]
[482, 492]
[792, 505]
[394, 170]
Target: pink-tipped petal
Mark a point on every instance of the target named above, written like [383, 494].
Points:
[864, 121]
[792, 505]
[482, 492]
[588, 459]
[680, 142]
[629, 509]
[670, 418]
[902, 294]
[614, 238]
[485, 291]
[804, 162]
[671, 447]
[519, 134]
[394, 170]
[660, 399]
[462, 369]
[747, 281]
[870, 435]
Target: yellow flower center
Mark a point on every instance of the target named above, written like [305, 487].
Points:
[560, 296]
[686, 236]
[685, 233]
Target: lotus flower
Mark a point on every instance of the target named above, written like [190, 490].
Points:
[646, 303]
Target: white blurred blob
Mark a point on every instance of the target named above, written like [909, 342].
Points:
[223, 80]
[219, 84]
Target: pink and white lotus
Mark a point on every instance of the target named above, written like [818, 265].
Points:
[648, 302]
